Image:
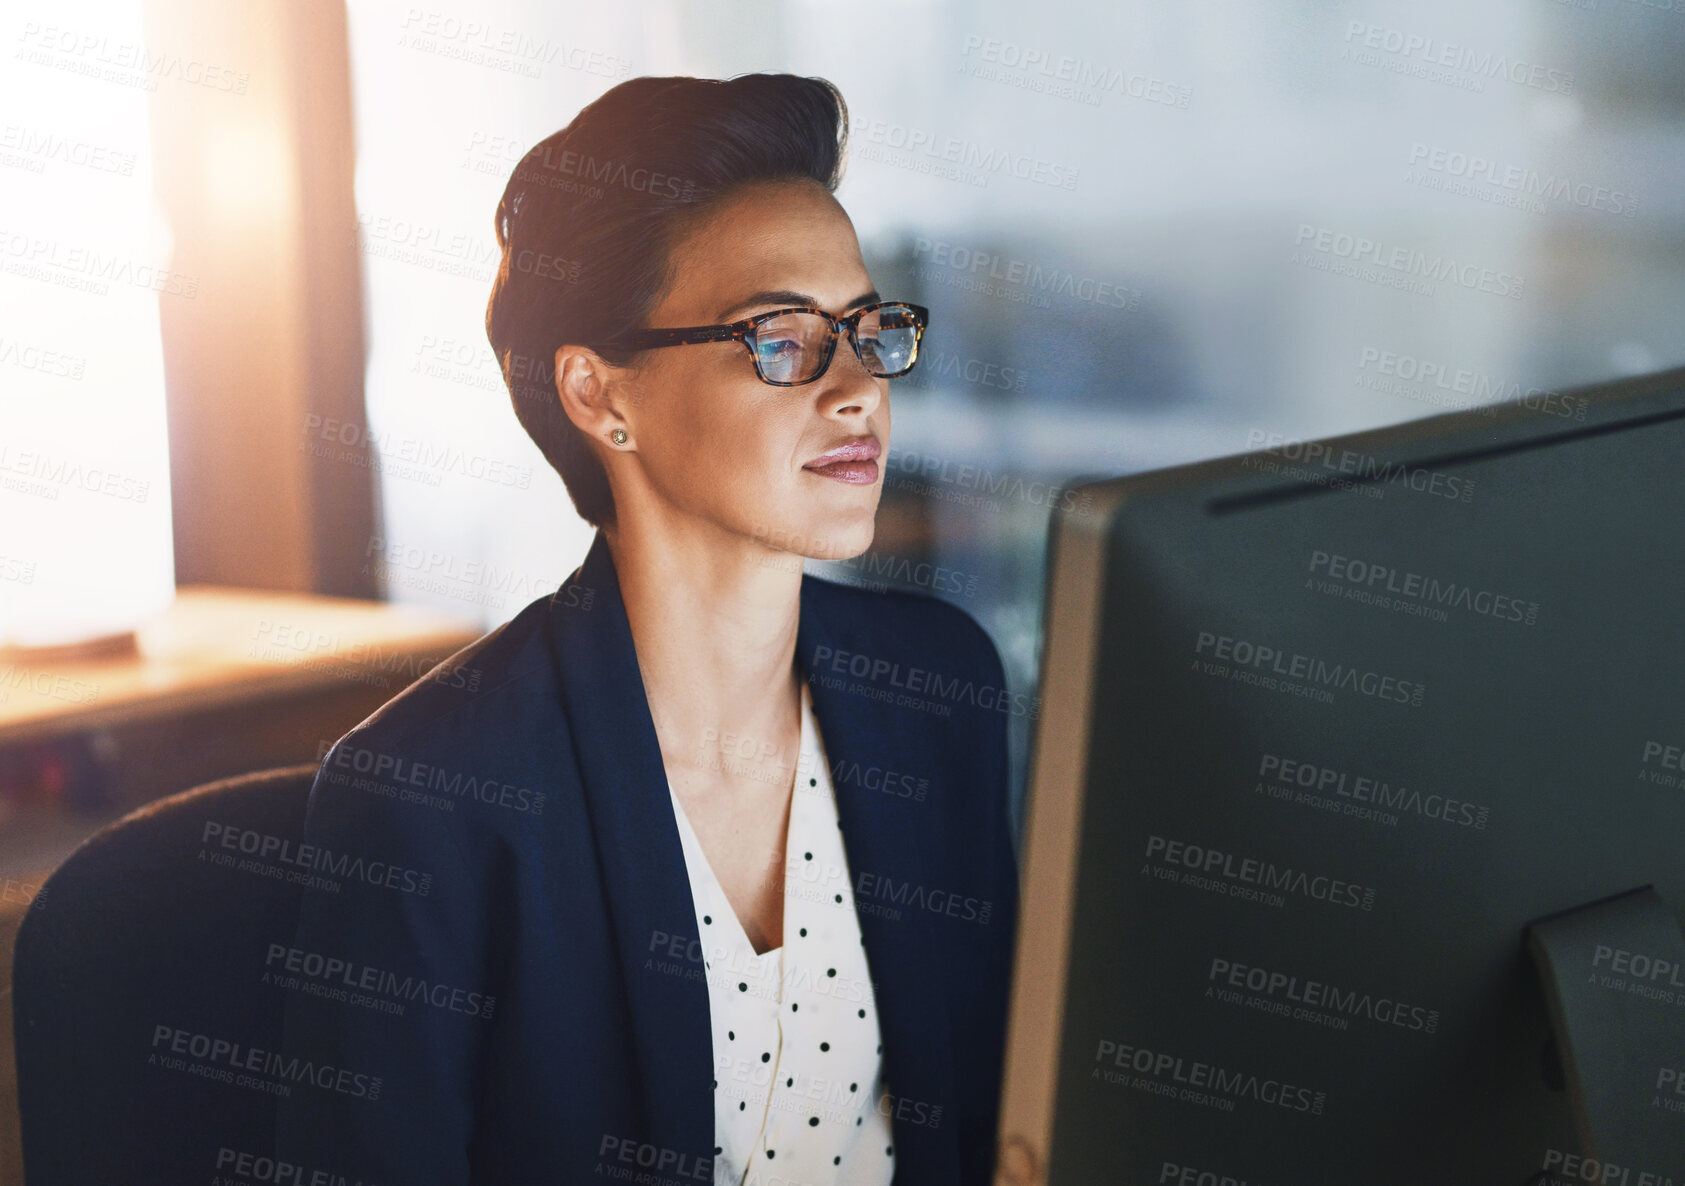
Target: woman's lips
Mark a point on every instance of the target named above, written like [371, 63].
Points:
[853, 461]
[860, 473]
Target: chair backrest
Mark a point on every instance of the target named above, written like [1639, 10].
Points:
[143, 1005]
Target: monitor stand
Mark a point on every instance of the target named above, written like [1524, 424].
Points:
[1614, 980]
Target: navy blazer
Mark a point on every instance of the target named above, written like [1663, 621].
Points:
[496, 976]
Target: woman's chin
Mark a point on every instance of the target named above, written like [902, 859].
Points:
[842, 540]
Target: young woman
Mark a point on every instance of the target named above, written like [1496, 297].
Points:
[697, 870]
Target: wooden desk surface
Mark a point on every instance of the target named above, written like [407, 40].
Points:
[218, 647]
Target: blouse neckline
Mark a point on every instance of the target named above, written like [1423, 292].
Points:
[693, 843]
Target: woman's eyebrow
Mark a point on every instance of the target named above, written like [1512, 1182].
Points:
[785, 296]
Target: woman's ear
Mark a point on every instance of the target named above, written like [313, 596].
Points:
[586, 386]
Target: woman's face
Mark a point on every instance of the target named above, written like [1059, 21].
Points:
[715, 448]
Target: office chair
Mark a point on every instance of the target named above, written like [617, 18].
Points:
[139, 991]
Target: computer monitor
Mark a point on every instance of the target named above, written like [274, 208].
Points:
[1355, 836]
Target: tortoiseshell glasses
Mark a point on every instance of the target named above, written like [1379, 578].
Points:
[794, 346]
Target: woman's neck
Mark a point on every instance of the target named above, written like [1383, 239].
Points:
[713, 618]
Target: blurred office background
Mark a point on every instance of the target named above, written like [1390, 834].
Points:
[247, 247]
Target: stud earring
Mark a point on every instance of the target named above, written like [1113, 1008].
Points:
[618, 436]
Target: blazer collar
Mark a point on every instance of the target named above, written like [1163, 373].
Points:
[648, 889]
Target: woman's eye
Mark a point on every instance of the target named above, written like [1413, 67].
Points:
[778, 347]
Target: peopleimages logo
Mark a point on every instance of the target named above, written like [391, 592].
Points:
[1295, 994]
[1670, 757]
[354, 442]
[929, 474]
[885, 679]
[1171, 1070]
[1419, 49]
[57, 685]
[980, 372]
[1638, 965]
[1032, 277]
[1670, 1088]
[346, 980]
[506, 50]
[1330, 782]
[550, 165]
[311, 864]
[27, 356]
[287, 642]
[963, 153]
[87, 269]
[1355, 573]
[32, 471]
[1406, 261]
[1481, 388]
[1080, 73]
[1363, 467]
[222, 1059]
[1252, 656]
[666, 1164]
[260, 1167]
[1560, 1166]
[878, 892]
[1215, 863]
[1525, 182]
[828, 662]
[100, 56]
[40, 146]
[396, 771]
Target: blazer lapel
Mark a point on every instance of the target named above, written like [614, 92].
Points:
[648, 890]
[881, 839]
[645, 883]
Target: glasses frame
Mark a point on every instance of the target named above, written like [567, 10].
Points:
[741, 331]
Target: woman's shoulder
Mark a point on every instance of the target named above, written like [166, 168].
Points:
[461, 734]
[497, 666]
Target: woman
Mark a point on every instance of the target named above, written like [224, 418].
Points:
[697, 870]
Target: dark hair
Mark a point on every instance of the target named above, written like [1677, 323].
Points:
[590, 216]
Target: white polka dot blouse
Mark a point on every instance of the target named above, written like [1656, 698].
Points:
[798, 1059]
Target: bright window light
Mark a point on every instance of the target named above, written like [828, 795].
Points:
[85, 533]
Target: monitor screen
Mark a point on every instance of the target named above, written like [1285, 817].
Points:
[1326, 727]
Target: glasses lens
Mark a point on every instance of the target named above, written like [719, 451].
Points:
[889, 340]
[789, 349]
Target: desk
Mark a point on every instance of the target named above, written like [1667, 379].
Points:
[223, 682]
